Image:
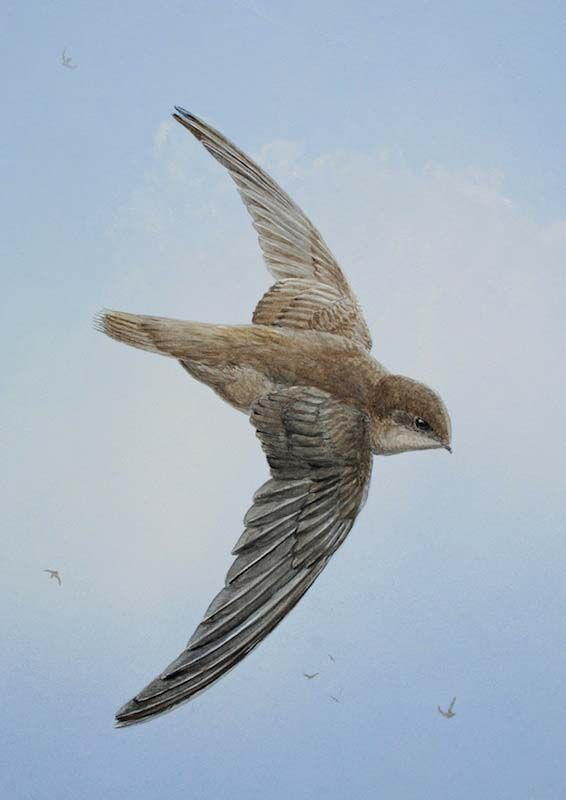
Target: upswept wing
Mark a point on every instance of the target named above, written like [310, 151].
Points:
[292, 247]
[320, 462]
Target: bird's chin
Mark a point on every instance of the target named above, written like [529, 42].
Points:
[407, 450]
[394, 444]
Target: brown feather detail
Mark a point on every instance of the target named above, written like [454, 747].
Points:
[126, 328]
[308, 305]
[243, 362]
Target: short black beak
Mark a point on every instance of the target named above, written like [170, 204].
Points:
[447, 447]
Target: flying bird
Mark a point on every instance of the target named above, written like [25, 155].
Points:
[449, 713]
[67, 60]
[332, 658]
[54, 573]
[311, 675]
[335, 697]
[320, 404]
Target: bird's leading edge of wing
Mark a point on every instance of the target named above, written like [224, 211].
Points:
[320, 461]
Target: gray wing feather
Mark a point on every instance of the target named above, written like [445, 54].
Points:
[297, 521]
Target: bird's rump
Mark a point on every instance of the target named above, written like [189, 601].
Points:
[320, 462]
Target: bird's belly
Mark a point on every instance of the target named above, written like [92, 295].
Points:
[239, 386]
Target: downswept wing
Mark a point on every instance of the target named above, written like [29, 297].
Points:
[309, 278]
[320, 461]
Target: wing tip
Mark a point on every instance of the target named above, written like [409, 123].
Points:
[118, 723]
[124, 716]
[188, 120]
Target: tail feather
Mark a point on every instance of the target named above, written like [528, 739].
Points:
[170, 337]
[127, 328]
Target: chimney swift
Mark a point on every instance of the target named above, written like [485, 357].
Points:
[320, 404]
[54, 573]
[66, 60]
[448, 713]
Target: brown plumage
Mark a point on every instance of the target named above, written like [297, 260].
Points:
[321, 406]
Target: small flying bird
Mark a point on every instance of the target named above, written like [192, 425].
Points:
[67, 60]
[54, 573]
[336, 698]
[449, 713]
[332, 658]
[322, 407]
[310, 676]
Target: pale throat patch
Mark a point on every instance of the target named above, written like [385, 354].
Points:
[390, 438]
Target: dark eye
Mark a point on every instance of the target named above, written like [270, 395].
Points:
[422, 425]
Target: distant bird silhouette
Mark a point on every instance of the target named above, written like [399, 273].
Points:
[66, 60]
[449, 713]
[336, 698]
[310, 676]
[54, 573]
[332, 658]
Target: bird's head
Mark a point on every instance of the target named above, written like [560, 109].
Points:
[406, 415]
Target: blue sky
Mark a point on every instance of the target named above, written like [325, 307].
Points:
[425, 140]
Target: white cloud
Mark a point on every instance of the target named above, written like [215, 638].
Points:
[282, 157]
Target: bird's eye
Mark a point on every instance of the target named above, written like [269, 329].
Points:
[422, 425]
